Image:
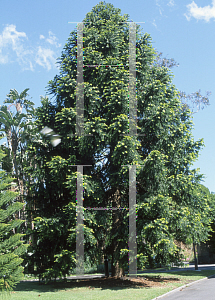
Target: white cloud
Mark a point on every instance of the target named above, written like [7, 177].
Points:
[10, 39]
[159, 6]
[153, 23]
[200, 13]
[52, 39]
[171, 3]
[15, 46]
[3, 58]
[45, 57]
[11, 36]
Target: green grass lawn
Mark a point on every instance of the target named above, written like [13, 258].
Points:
[55, 291]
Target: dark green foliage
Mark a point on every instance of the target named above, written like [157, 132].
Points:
[11, 245]
[54, 250]
[211, 196]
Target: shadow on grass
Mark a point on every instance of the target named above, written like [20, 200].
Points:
[33, 286]
[110, 283]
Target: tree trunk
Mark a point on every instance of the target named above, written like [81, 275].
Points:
[195, 258]
[106, 266]
[116, 270]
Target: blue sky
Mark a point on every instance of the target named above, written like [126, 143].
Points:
[33, 33]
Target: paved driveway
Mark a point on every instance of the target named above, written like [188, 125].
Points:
[201, 290]
[190, 267]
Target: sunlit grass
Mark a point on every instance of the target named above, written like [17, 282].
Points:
[55, 291]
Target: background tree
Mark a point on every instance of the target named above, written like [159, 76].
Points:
[16, 126]
[210, 241]
[165, 150]
[194, 101]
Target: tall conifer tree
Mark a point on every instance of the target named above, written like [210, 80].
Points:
[164, 149]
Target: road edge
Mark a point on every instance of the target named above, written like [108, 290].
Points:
[182, 287]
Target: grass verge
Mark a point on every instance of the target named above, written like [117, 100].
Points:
[146, 287]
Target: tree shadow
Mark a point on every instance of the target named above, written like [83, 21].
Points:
[111, 283]
[33, 286]
[144, 280]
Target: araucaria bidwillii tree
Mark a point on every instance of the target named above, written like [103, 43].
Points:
[163, 148]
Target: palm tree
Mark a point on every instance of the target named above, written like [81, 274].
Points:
[16, 128]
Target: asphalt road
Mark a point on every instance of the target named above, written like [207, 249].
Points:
[200, 290]
[189, 267]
